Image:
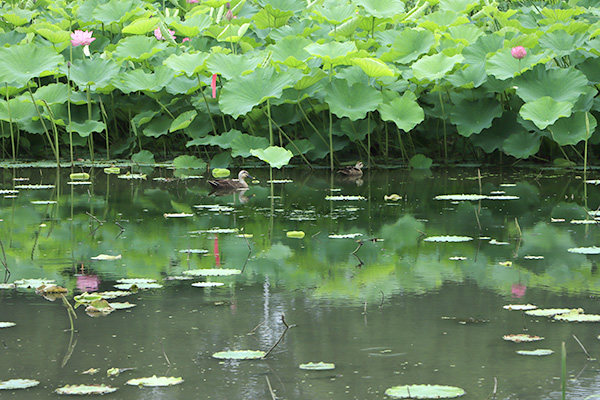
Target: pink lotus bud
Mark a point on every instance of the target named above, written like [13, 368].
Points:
[518, 52]
[213, 85]
[229, 15]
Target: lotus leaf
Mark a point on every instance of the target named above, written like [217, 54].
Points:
[576, 316]
[212, 272]
[584, 250]
[138, 48]
[85, 389]
[136, 280]
[448, 239]
[434, 67]
[522, 144]
[471, 117]
[522, 337]
[320, 366]
[424, 392]
[207, 284]
[536, 352]
[404, 111]
[550, 312]
[333, 53]
[231, 66]
[345, 198]
[352, 101]
[97, 73]
[141, 285]
[121, 306]
[520, 307]
[106, 257]
[275, 156]
[503, 65]
[239, 354]
[409, 45]
[7, 324]
[13, 384]
[155, 381]
[420, 161]
[19, 63]
[295, 234]
[114, 294]
[32, 283]
[243, 145]
[545, 111]
[560, 84]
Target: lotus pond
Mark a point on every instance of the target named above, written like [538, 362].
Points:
[393, 279]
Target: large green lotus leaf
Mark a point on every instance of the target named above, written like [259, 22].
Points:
[381, 8]
[137, 79]
[348, 28]
[545, 111]
[54, 36]
[193, 26]
[476, 54]
[283, 5]
[271, 18]
[332, 53]
[242, 93]
[373, 67]
[21, 110]
[470, 77]
[86, 128]
[572, 130]
[20, 63]
[18, 16]
[558, 83]
[231, 66]
[290, 51]
[334, 11]
[188, 162]
[403, 111]
[188, 63]
[591, 68]
[301, 145]
[183, 120]
[351, 101]
[504, 66]
[473, 116]
[223, 141]
[420, 161]
[493, 138]
[310, 79]
[441, 20]
[95, 72]
[409, 45]
[54, 93]
[232, 33]
[143, 157]
[115, 11]
[522, 145]
[183, 85]
[465, 34]
[434, 67]
[141, 26]
[561, 43]
[459, 6]
[424, 392]
[275, 156]
[138, 48]
[243, 145]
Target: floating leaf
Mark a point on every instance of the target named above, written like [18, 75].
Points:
[424, 392]
[536, 352]
[550, 312]
[112, 170]
[239, 354]
[113, 294]
[32, 283]
[522, 337]
[320, 366]
[13, 384]
[177, 215]
[155, 381]
[575, 316]
[584, 250]
[346, 198]
[7, 324]
[87, 297]
[207, 284]
[129, 286]
[520, 307]
[295, 234]
[106, 257]
[212, 272]
[448, 239]
[275, 156]
[85, 389]
[121, 306]
[136, 280]
[346, 236]
[220, 172]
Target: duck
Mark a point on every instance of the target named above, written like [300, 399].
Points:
[355, 171]
[232, 184]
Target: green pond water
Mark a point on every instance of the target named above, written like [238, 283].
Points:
[400, 310]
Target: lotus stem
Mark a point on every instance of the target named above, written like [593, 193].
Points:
[212, 123]
[105, 120]
[270, 123]
[330, 141]
[444, 128]
[42, 121]
[55, 131]
[89, 108]
[563, 364]
[281, 131]
[10, 124]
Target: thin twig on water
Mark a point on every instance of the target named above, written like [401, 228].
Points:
[287, 327]
[270, 389]
[584, 350]
[165, 354]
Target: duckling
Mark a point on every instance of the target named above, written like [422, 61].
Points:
[232, 184]
[355, 171]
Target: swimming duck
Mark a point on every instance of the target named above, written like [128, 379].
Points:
[354, 171]
[232, 184]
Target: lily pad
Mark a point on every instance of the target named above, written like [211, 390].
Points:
[320, 366]
[114, 294]
[207, 284]
[584, 250]
[519, 307]
[85, 389]
[121, 306]
[32, 283]
[212, 272]
[12, 384]
[6, 324]
[447, 239]
[106, 257]
[129, 286]
[549, 312]
[474, 197]
[87, 297]
[522, 337]
[155, 381]
[136, 280]
[177, 215]
[536, 352]
[239, 354]
[577, 317]
[347, 198]
[295, 234]
[194, 251]
[424, 392]
[346, 236]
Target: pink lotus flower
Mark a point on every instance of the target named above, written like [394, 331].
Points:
[82, 38]
[159, 36]
[192, 1]
[213, 85]
[185, 39]
[518, 52]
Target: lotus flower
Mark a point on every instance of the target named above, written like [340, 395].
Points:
[518, 52]
[213, 85]
[185, 39]
[159, 35]
[192, 1]
[82, 38]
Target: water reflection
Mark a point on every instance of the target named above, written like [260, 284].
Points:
[362, 277]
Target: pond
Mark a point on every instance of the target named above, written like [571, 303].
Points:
[379, 285]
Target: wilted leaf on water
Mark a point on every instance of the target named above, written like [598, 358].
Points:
[295, 234]
[106, 257]
[522, 337]
[212, 272]
[447, 239]
[155, 381]
[7, 286]
[392, 197]
[50, 289]
[99, 306]
[12, 384]
[91, 371]
[536, 352]
[7, 324]
[207, 284]
[424, 392]
[320, 366]
[551, 312]
[346, 236]
[85, 389]
[519, 307]
[239, 354]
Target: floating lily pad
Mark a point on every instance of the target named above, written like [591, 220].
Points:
[536, 352]
[87, 297]
[207, 284]
[141, 285]
[178, 278]
[7, 286]
[43, 202]
[239, 355]
[457, 258]
[474, 197]
[280, 181]
[85, 389]
[550, 312]
[584, 250]
[6, 324]
[221, 172]
[520, 307]
[177, 215]
[522, 337]
[79, 183]
[497, 243]
[345, 236]
[584, 221]
[132, 176]
[448, 239]
[424, 392]
[12, 384]
[114, 294]
[121, 306]
[34, 187]
[533, 257]
[347, 198]
[155, 381]
[194, 251]
[218, 230]
[320, 366]
[32, 283]
[577, 317]
[106, 257]
[295, 234]
[79, 176]
[212, 272]
[136, 280]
